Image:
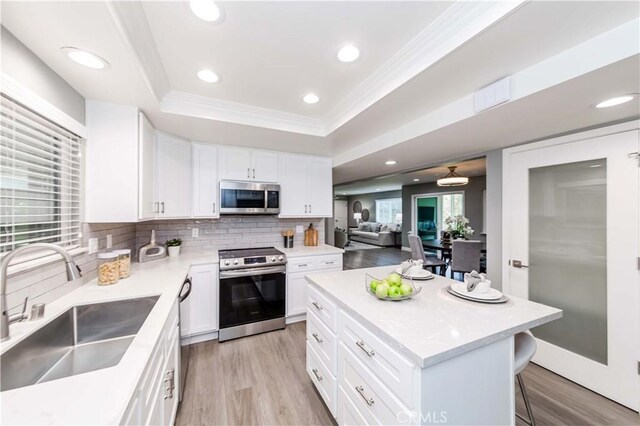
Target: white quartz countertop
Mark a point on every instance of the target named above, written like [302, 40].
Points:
[102, 396]
[301, 250]
[433, 326]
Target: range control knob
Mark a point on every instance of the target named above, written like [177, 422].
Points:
[280, 258]
[235, 261]
[273, 259]
[226, 262]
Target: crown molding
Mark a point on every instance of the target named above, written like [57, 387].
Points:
[131, 22]
[38, 104]
[182, 103]
[458, 24]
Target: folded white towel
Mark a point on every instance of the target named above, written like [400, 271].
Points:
[473, 278]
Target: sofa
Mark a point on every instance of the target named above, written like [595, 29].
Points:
[375, 233]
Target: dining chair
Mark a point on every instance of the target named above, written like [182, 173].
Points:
[524, 349]
[417, 253]
[465, 256]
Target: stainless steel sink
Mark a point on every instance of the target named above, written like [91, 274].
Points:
[84, 338]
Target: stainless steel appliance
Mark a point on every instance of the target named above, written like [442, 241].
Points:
[185, 350]
[249, 198]
[252, 292]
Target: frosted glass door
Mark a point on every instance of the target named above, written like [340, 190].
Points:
[568, 253]
[572, 240]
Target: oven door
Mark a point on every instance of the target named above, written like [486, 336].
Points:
[251, 295]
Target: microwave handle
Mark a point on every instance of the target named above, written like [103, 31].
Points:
[266, 200]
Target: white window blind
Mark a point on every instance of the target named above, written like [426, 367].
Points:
[39, 180]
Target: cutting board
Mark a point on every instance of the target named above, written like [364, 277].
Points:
[311, 236]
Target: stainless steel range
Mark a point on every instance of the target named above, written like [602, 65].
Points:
[252, 292]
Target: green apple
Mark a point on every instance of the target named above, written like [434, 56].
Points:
[395, 279]
[406, 289]
[394, 292]
[382, 291]
[373, 285]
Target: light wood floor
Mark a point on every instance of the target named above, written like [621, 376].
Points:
[261, 380]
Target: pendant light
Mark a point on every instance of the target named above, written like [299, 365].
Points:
[453, 179]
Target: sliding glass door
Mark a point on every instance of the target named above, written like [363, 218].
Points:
[429, 211]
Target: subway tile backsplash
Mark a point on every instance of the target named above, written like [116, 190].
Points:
[48, 283]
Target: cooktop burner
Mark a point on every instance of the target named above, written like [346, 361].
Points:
[251, 258]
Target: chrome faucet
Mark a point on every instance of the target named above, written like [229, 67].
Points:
[73, 273]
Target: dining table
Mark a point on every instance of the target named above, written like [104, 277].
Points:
[446, 247]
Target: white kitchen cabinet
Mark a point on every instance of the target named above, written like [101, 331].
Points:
[306, 186]
[173, 177]
[201, 307]
[248, 165]
[146, 168]
[205, 181]
[297, 269]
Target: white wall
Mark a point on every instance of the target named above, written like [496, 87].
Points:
[22, 65]
[494, 217]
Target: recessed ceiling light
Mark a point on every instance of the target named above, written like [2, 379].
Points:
[344, 193]
[206, 10]
[614, 101]
[87, 59]
[416, 180]
[390, 162]
[311, 98]
[348, 53]
[208, 76]
[377, 189]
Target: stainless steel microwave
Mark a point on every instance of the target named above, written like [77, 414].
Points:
[249, 198]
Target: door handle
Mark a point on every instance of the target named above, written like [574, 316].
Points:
[318, 339]
[518, 264]
[318, 376]
[369, 401]
[162, 204]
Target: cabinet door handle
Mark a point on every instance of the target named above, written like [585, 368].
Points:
[305, 208]
[170, 384]
[248, 173]
[318, 376]
[309, 208]
[369, 401]
[315, 335]
[214, 207]
[254, 173]
[361, 345]
[157, 209]
[162, 204]
[318, 306]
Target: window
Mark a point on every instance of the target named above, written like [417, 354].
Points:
[39, 180]
[386, 210]
[452, 205]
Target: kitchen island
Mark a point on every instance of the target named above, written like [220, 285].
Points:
[431, 359]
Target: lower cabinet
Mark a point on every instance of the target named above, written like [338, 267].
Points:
[200, 309]
[297, 269]
[155, 402]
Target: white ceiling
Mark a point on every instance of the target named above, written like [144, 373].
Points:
[269, 54]
[469, 168]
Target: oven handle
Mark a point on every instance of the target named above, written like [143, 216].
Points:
[253, 271]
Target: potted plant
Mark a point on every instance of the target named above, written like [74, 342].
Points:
[458, 227]
[173, 246]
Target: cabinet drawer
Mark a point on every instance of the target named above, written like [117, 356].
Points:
[151, 377]
[333, 261]
[348, 414]
[323, 341]
[301, 264]
[370, 396]
[320, 305]
[171, 329]
[322, 378]
[390, 367]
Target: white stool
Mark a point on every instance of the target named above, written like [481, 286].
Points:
[525, 349]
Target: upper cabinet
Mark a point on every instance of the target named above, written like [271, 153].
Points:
[248, 165]
[147, 168]
[205, 180]
[306, 186]
[173, 177]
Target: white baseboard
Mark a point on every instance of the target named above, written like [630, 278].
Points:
[198, 338]
[296, 318]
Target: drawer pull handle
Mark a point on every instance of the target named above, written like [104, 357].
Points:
[315, 335]
[319, 377]
[302, 265]
[318, 307]
[361, 345]
[369, 401]
[330, 262]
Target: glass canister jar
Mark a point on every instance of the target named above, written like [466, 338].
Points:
[124, 262]
[108, 269]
